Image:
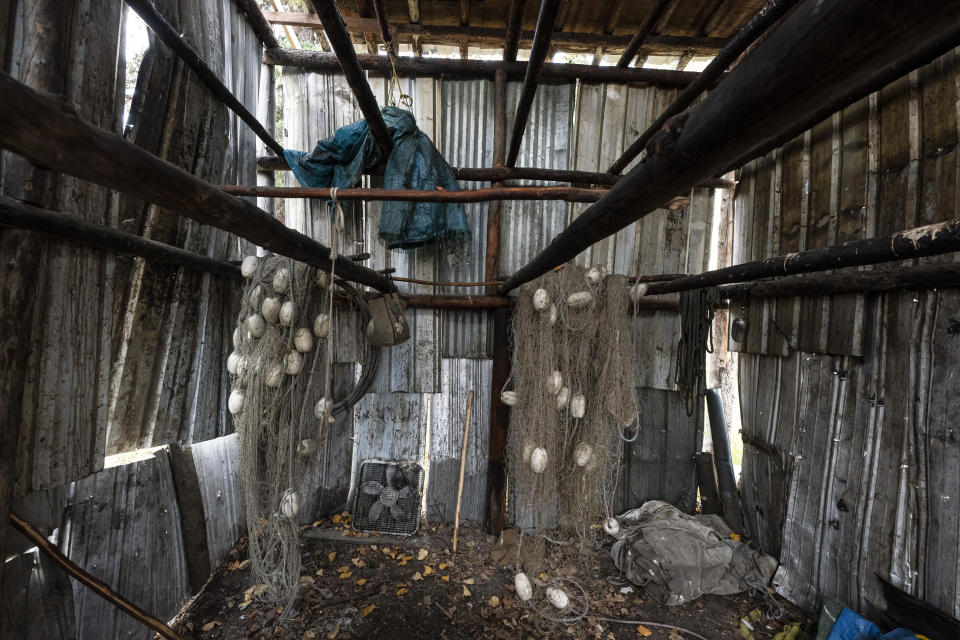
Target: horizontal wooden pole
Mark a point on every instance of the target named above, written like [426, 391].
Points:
[568, 194]
[782, 80]
[50, 134]
[96, 585]
[932, 276]
[550, 72]
[503, 174]
[568, 41]
[20, 215]
[173, 38]
[929, 240]
[420, 301]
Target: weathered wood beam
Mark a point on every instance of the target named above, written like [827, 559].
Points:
[258, 23]
[50, 134]
[546, 20]
[456, 303]
[292, 36]
[172, 38]
[779, 83]
[511, 36]
[366, 10]
[771, 12]
[643, 33]
[385, 34]
[573, 41]
[933, 276]
[929, 240]
[502, 174]
[413, 9]
[19, 215]
[406, 66]
[347, 56]
[567, 194]
[494, 213]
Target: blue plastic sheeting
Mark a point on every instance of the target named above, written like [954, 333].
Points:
[414, 163]
[850, 626]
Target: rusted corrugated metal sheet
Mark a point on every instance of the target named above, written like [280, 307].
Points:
[851, 466]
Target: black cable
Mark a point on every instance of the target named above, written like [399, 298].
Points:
[369, 370]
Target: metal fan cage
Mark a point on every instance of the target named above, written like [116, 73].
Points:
[388, 497]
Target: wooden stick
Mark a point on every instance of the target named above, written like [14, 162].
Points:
[568, 194]
[764, 96]
[463, 466]
[649, 24]
[14, 213]
[549, 72]
[94, 584]
[49, 134]
[765, 18]
[173, 39]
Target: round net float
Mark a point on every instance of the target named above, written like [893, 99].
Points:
[274, 375]
[322, 279]
[307, 447]
[321, 325]
[249, 266]
[578, 405]
[233, 362]
[579, 299]
[538, 460]
[288, 313]
[290, 504]
[638, 290]
[554, 382]
[509, 398]
[322, 407]
[541, 299]
[563, 398]
[596, 274]
[270, 308]
[582, 454]
[303, 340]
[281, 280]
[292, 362]
[256, 325]
[522, 584]
[557, 597]
[235, 402]
[256, 296]
[611, 526]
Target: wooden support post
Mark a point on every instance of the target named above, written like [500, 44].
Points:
[346, 55]
[929, 240]
[511, 40]
[764, 96]
[549, 72]
[49, 133]
[494, 213]
[20, 215]
[499, 425]
[569, 194]
[538, 53]
[649, 24]
[258, 23]
[96, 585]
[172, 38]
[767, 17]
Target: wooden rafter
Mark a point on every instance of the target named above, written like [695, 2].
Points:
[366, 9]
[385, 34]
[643, 33]
[512, 33]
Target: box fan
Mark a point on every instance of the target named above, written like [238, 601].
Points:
[388, 497]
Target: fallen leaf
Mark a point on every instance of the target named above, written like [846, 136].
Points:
[445, 578]
[333, 634]
[466, 592]
[401, 591]
[190, 626]
[417, 576]
[422, 554]
[361, 582]
[210, 625]
[343, 568]
[316, 523]
[319, 572]
[374, 547]
[542, 576]
[494, 602]
[643, 631]
[469, 581]
[336, 518]
[357, 562]
[331, 556]
[367, 610]
[427, 570]
[443, 565]
[309, 635]
[307, 579]
[345, 575]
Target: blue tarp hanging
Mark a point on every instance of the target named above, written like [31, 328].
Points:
[414, 163]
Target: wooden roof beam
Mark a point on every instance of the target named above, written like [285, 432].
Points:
[385, 34]
[347, 57]
[771, 12]
[781, 82]
[653, 18]
[546, 19]
[511, 36]
[49, 133]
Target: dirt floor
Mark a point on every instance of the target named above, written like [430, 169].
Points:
[366, 586]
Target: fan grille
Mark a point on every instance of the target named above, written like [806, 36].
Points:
[388, 508]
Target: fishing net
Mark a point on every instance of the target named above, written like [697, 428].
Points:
[574, 376]
[281, 383]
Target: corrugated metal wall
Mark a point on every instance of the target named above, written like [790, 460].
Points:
[422, 385]
[851, 464]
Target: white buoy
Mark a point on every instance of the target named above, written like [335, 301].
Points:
[292, 362]
[249, 266]
[256, 325]
[579, 299]
[288, 313]
[509, 398]
[557, 597]
[233, 362]
[321, 325]
[303, 340]
[583, 454]
[596, 274]
[270, 308]
[522, 584]
[274, 375]
[290, 504]
[638, 290]
[235, 402]
[538, 460]
[552, 314]
[611, 526]
[281, 280]
[322, 407]
[541, 299]
[554, 382]
[256, 297]
[578, 405]
[563, 398]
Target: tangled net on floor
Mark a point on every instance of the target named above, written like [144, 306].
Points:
[280, 401]
[574, 376]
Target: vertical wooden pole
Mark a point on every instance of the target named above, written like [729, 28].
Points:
[463, 466]
[494, 212]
